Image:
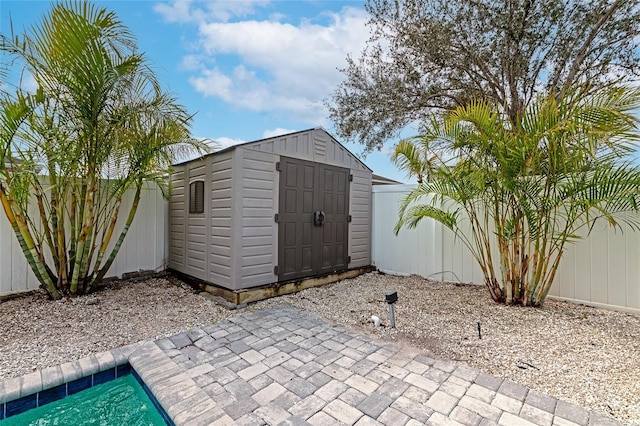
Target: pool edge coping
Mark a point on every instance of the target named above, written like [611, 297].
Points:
[169, 382]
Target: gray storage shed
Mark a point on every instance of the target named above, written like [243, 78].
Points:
[273, 211]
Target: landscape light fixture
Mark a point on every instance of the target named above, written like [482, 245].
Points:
[391, 298]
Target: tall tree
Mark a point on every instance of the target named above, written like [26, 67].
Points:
[426, 54]
[517, 195]
[98, 124]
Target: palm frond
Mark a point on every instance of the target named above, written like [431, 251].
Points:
[526, 188]
[414, 215]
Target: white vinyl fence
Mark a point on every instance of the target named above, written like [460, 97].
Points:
[144, 248]
[602, 270]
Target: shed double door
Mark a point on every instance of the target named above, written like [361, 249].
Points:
[313, 219]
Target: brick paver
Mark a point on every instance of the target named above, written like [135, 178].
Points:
[299, 369]
[285, 366]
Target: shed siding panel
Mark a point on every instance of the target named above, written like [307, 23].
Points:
[196, 237]
[313, 145]
[177, 220]
[360, 231]
[221, 236]
[258, 234]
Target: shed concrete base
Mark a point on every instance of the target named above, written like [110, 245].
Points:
[239, 298]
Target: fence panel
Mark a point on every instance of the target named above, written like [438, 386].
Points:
[602, 270]
[430, 250]
[143, 248]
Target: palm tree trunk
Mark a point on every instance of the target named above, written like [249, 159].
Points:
[107, 236]
[549, 282]
[44, 222]
[132, 212]
[82, 249]
[73, 232]
[28, 247]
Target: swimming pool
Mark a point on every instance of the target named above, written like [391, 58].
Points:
[116, 401]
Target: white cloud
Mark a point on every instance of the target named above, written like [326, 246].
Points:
[280, 67]
[225, 10]
[224, 142]
[243, 88]
[186, 11]
[213, 82]
[276, 132]
[179, 11]
[29, 83]
[190, 63]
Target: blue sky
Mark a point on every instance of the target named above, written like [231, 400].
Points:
[249, 69]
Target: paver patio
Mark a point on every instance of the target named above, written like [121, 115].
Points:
[284, 366]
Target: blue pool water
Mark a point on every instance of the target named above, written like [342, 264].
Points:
[120, 401]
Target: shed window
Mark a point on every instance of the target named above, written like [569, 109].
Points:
[196, 197]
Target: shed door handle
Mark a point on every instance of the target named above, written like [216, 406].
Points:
[318, 218]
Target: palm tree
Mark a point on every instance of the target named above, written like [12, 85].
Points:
[98, 125]
[516, 195]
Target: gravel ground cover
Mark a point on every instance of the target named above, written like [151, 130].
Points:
[583, 355]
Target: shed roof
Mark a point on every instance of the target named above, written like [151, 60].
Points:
[248, 144]
[381, 180]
